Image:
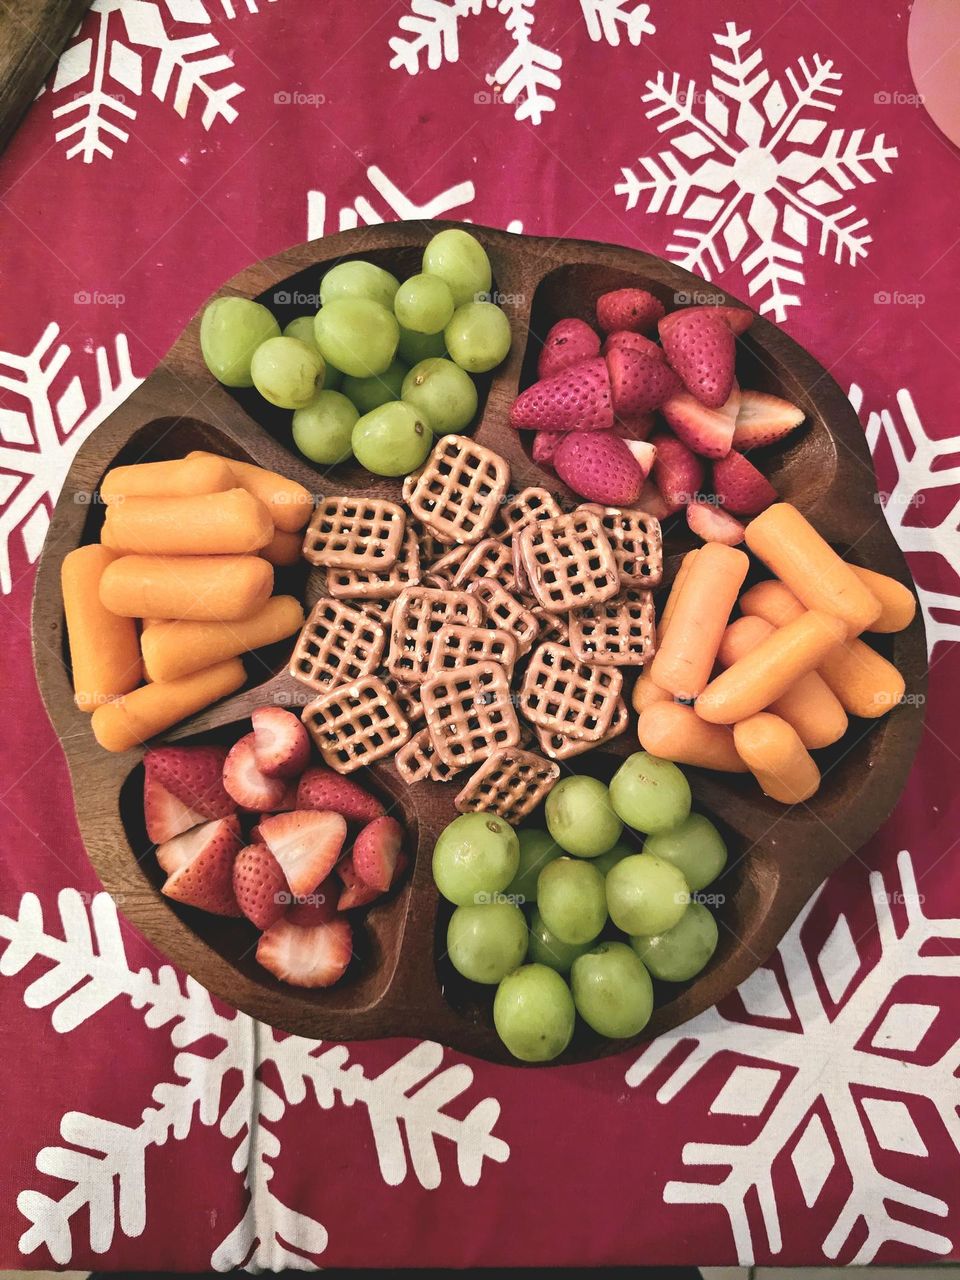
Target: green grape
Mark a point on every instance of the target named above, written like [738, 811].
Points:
[533, 1013]
[287, 372]
[478, 336]
[302, 328]
[461, 260]
[579, 816]
[424, 304]
[650, 794]
[571, 899]
[230, 332]
[359, 280]
[332, 377]
[681, 952]
[323, 428]
[485, 943]
[357, 335]
[371, 393]
[414, 347]
[696, 847]
[443, 393]
[537, 848]
[392, 440]
[475, 857]
[620, 850]
[646, 895]
[612, 990]
[546, 948]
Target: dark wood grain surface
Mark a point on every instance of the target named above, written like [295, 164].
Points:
[33, 34]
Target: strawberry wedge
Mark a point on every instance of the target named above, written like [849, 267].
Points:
[321, 788]
[702, 349]
[199, 866]
[601, 467]
[306, 844]
[307, 956]
[763, 419]
[708, 432]
[260, 886]
[375, 852]
[182, 787]
[281, 744]
[569, 342]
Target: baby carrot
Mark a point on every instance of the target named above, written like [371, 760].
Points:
[290, 504]
[104, 653]
[898, 604]
[173, 649]
[203, 588]
[674, 596]
[777, 758]
[674, 731]
[645, 692]
[147, 711]
[178, 478]
[283, 548]
[228, 523]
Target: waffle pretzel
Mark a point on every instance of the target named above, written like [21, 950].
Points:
[458, 492]
[337, 643]
[470, 712]
[566, 696]
[569, 561]
[488, 558]
[456, 645]
[355, 724]
[505, 611]
[636, 540]
[379, 584]
[618, 633]
[559, 747]
[528, 505]
[355, 533]
[511, 783]
[418, 614]
[417, 760]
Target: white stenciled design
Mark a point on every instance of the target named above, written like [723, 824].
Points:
[837, 1038]
[102, 1163]
[45, 416]
[923, 465]
[529, 75]
[743, 175]
[123, 50]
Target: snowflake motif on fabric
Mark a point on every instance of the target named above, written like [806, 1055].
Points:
[760, 193]
[45, 417]
[921, 466]
[406, 1104]
[118, 57]
[529, 75]
[821, 1052]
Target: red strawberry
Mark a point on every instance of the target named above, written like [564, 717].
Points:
[281, 745]
[677, 471]
[200, 866]
[306, 843]
[356, 891]
[634, 426]
[375, 852]
[318, 906]
[652, 501]
[623, 339]
[740, 487]
[165, 816]
[763, 418]
[323, 789]
[634, 309]
[599, 466]
[249, 787]
[737, 319]
[639, 383]
[578, 399]
[568, 343]
[706, 431]
[702, 349]
[316, 956]
[191, 775]
[711, 524]
[545, 446]
[260, 886]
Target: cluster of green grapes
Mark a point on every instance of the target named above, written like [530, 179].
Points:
[382, 367]
[605, 918]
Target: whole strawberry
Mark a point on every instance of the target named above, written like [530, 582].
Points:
[321, 788]
[740, 487]
[634, 309]
[567, 343]
[702, 349]
[677, 470]
[599, 466]
[577, 399]
[639, 383]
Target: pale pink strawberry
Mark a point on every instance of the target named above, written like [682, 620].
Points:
[740, 487]
[638, 383]
[644, 453]
[247, 785]
[164, 815]
[199, 866]
[708, 432]
[762, 419]
[315, 956]
[183, 786]
[356, 891]
[711, 524]
[737, 319]
[259, 885]
[316, 907]
[634, 309]
[323, 789]
[677, 471]
[567, 343]
[306, 843]
[281, 744]
[652, 501]
[599, 466]
[545, 446]
[633, 426]
[624, 339]
[702, 349]
[376, 850]
[577, 399]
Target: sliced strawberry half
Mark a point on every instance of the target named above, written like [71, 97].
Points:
[250, 788]
[199, 866]
[599, 466]
[633, 309]
[762, 419]
[577, 399]
[740, 487]
[192, 775]
[281, 744]
[623, 339]
[306, 844]
[708, 432]
[375, 852]
[323, 789]
[702, 349]
[639, 383]
[677, 471]
[356, 892]
[711, 524]
[260, 886]
[166, 816]
[567, 343]
[312, 956]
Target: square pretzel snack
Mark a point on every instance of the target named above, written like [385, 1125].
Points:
[470, 713]
[355, 533]
[356, 724]
[338, 643]
[457, 645]
[559, 747]
[417, 760]
[488, 558]
[510, 783]
[379, 584]
[564, 695]
[619, 633]
[636, 540]
[569, 561]
[505, 611]
[418, 614]
[528, 505]
[459, 491]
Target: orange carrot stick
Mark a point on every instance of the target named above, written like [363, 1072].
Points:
[645, 692]
[147, 711]
[283, 548]
[174, 649]
[674, 731]
[686, 654]
[777, 758]
[202, 588]
[178, 478]
[228, 523]
[290, 504]
[790, 546]
[671, 604]
[898, 604]
[104, 653]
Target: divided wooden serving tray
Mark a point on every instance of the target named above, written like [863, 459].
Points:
[400, 982]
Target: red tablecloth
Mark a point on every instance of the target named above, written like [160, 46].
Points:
[780, 151]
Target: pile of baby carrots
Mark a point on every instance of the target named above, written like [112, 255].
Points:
[760, 693]
[179, 586]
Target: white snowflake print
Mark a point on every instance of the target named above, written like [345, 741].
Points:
[922, 465]
[742, 174]
[128, 46]
[45, 417]
[529, 75]
[101, 1163]
[806, 1042]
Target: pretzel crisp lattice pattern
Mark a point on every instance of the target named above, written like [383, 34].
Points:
[569, 561]
[355, 533]
[356, 724]
[566, 696]
[338, 643]
[459, 491]
[511, 783]
[470, 712]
